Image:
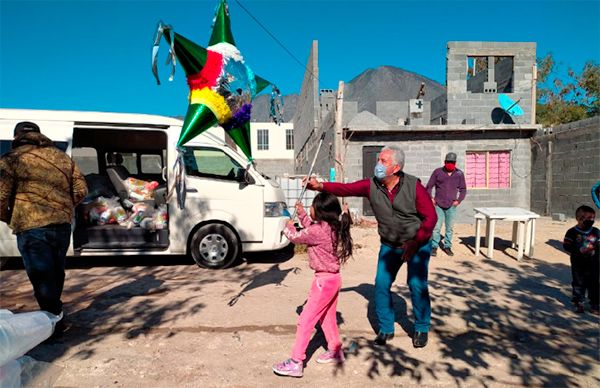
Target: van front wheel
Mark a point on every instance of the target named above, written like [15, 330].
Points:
[214, 246]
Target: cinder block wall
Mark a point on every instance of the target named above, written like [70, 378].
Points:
[476, 108]
[307, 117]
[565, 166]
[275, 167]
[393, 111]
[425, 154]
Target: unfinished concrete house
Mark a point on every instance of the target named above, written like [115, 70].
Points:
[427, 121]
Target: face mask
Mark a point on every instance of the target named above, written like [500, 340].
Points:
[450, 166]
[587, 224]
[380, 171]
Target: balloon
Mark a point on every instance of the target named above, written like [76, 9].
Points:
[221, 85]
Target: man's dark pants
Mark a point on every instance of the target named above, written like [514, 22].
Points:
[44, 250]
[388, 264]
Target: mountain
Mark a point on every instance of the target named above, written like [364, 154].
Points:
[385, 83]
[388, 83]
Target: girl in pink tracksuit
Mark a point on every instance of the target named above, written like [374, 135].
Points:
[329, 245]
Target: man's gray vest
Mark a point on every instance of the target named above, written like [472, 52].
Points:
[397, 221]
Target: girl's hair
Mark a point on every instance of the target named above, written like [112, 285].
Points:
[327, 208]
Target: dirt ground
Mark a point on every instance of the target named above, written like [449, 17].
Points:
[495, 322]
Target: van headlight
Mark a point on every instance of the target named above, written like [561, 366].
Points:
[276, 209]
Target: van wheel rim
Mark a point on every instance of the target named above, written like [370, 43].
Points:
[213, 248]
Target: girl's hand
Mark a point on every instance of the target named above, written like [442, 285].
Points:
[291, 223]
[299, 206]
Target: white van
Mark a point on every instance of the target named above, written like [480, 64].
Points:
[229, 208]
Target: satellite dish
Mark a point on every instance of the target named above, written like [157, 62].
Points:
[511, 107]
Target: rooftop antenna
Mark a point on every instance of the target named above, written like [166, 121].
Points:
[421, 92]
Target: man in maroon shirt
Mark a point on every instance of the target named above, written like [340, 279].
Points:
[405, 218]
[450, 191]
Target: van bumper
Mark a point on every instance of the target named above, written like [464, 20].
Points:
[273, 237]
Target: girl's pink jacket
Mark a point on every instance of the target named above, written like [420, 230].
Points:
[319, 239]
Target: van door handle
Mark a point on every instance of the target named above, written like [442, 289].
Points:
[191, 190]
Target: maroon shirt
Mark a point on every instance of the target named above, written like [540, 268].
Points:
[423, 202]
[448, 188]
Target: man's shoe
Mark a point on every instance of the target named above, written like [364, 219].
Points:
[595, 309]
[60, 325]
[433, 252]
[382, 338]
[419, 339]
[448, 251]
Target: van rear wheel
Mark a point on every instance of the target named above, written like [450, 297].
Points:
[214, 246]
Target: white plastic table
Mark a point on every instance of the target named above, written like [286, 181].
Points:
[523, 233]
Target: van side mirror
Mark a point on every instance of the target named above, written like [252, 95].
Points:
[243, 176]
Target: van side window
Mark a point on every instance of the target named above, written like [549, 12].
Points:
[86, 159]
[151, 164]
[129, 161]
[210, 163]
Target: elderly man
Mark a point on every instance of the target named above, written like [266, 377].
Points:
[405, 217]
[39, 187]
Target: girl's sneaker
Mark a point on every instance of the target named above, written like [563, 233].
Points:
[331, 356]
[578, 307]
[289, 367]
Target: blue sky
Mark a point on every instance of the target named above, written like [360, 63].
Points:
[95, 55]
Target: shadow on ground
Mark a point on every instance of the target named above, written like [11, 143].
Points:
[558, 245]
[524, 326]
[133, 302]
[366, 290]
[500, 244]
[83, 262]
[525, 322]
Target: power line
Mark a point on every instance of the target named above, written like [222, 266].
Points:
[277, 40]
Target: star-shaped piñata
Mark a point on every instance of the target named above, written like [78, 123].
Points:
[221, 85]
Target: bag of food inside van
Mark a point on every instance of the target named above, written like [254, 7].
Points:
[139, 212]
[141, 190]
[161, 216]
[107, 211]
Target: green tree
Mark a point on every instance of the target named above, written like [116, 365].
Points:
[571, 98]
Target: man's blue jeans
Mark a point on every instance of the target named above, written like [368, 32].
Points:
[44, 250]
[388, 265]
[447, 216]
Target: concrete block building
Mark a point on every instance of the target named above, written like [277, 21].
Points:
[493, 148]
[476, 72]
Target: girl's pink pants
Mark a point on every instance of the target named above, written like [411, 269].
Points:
[320, 307]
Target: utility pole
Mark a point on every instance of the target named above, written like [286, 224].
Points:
[340, 150]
